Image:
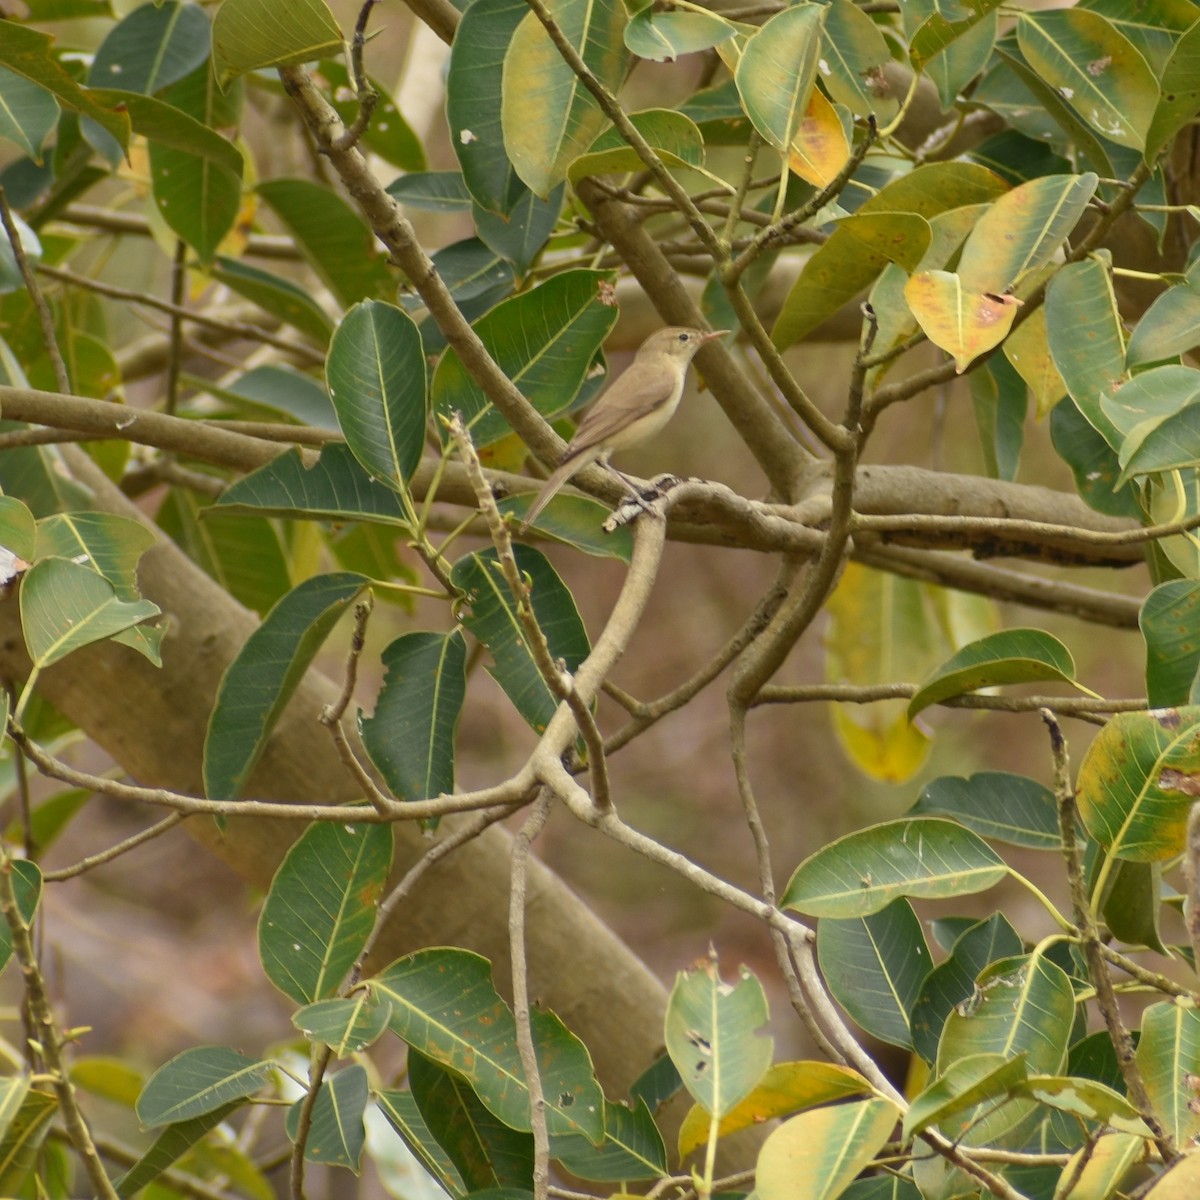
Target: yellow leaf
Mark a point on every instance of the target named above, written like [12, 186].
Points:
[820, 149]
[964, 324]
[881, 741]
[1028, 349]
[787, 1087]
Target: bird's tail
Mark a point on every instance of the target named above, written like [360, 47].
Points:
[550, 488]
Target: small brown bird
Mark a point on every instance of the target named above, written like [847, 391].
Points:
[635, 406]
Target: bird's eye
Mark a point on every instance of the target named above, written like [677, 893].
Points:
[685, 337]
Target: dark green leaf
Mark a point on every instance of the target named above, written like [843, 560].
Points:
[333, 237]
[1009, 808]
[337, 1135]
[1170, 623]
[1011, 656]
[336, 488]
[410, 739]
[258, 683]
[432, 191]
[249, 35]
[170, 1145]
[199, 1081]
[874, 967]
[27, 884]
[544, 340]
[490, 613]
[632, 1149]
[344, 1025]
[321, 907]
[485, 1152]
[277, 296]
[405, 1118]
[376, 378]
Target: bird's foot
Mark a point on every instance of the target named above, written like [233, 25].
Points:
[642, 501]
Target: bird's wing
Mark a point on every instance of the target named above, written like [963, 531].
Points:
[635, 393]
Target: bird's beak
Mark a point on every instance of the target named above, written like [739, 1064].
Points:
[712, 335]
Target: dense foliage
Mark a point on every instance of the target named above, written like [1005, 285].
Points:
[342, 405]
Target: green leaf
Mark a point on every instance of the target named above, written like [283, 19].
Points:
[170, 1145]
[473, 90]
[1086, 338]
[376, 378]
[1092, 460]
[23, 1139]
[331, 235]
[995, 804]
[28, 112]
[838, 270]
[1001, 402]
[258, 683]
[1170, 623]
[1085, 1099]
[277, 392]
[28, 52]
[410, 739]
[1022, 1005]
[445, 1005]
[346, 1025]
[113, 545]
[433, 191]
[874, 967]
[400, 1109]
[65, 606]
[1131, 904]
[965, 1084]
[477, 278]
[1169, 327]
[320, 909]
[485, 1153]
[714, 1035]
[1096, 69]
[1166, 1053]
[1011, 656]
[1179, 97]
[545, 340]
[249, 35]
[674, 136]
[247, 557]
[13, 1091]
[576, 520]
[633, 1149]
[388, 134]
[198, 197]
[337, 1135]
[777, 71]
[1023, 230]
[335, 488]
[18, 531]
[277, 296]
[662, 36]
[818, 1153]
[853, 54]
[863, 872]
[153, 47]
[490, 613]
[27, 884]
[1164, 443]
[952, 982]
[199, 1081]
[520, 235]
[547, 115]
[1137, 781]
[952, 53]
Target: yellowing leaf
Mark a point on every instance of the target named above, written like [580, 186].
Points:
[820, 149]
[1028, 349]
[786, 1088]
[964, 324]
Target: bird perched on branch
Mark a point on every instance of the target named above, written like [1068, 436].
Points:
[635, 406]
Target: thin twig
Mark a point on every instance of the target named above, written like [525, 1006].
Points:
[321, 1059]
[526, 1046]
[115, 851]
[1085, 920]
[50, 1039]
[61, 379]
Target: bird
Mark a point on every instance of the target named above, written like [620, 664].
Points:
[635, 406]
